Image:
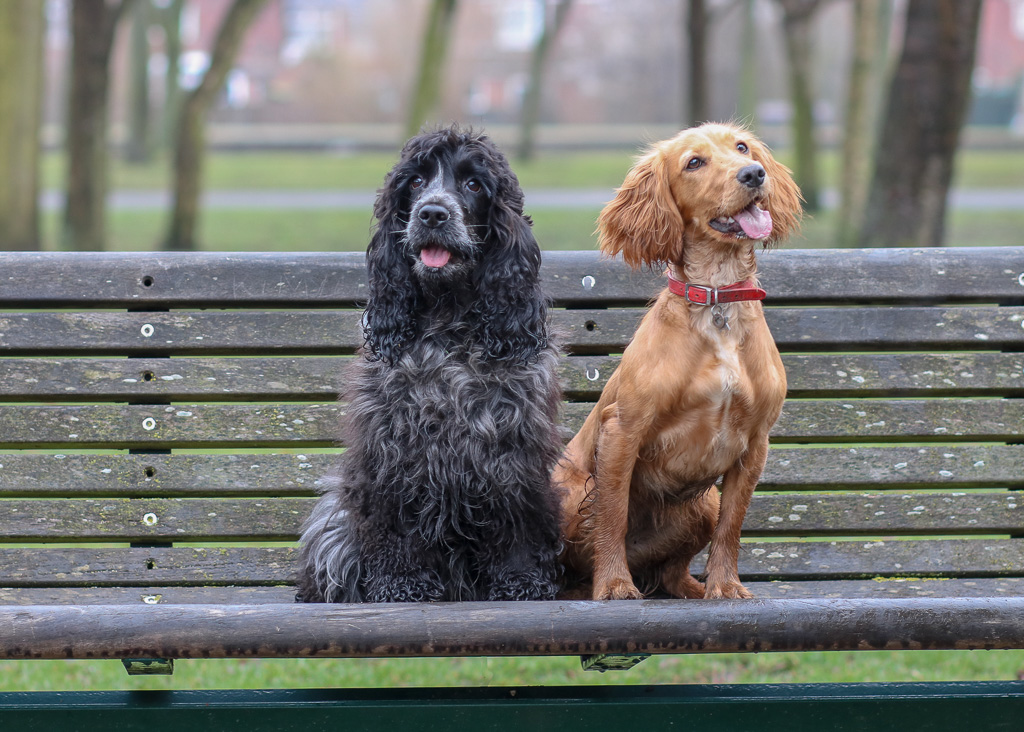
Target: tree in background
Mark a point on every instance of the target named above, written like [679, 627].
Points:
[169, 19]
[139, 145]
[868, 58]
[750, 61]
[190, 145]
[436, 39]
[92, 36]
[696, 26]
[21, 77]
[925, 111]
[147, 133]
[797, 17]
[554, 21]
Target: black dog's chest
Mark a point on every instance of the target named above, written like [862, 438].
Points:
[454, 399]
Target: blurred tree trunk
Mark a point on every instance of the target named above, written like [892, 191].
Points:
[170, 20]
[750, 59]
[696, 27]
[538, 67]
[436, 39]
[21, 81]
[798, 30]
[92, 36]
[869, 44]
[188, 154]
[138, 146]
[925, 111]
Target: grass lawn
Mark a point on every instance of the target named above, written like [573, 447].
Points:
[838, 667]
[327, 230]
[263, 170]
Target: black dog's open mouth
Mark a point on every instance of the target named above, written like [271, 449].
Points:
[435, 256]
[753, 222]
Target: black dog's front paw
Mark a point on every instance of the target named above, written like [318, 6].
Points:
[423, 587]
[523, 586]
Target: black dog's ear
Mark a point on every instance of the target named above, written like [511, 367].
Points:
[389, 322]
[510, 309]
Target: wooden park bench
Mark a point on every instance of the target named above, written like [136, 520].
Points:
[164, 420]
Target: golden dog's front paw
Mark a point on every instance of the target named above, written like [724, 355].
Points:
[726, 591]
[620, 589]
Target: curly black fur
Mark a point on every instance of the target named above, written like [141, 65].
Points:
[444, 492]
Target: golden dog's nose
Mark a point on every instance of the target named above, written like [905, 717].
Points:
[752, 176]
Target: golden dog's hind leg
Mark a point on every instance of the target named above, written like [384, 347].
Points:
[697, 527]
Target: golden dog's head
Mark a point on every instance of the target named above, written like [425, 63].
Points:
[714, 185]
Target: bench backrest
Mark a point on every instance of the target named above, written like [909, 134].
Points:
[164, 418]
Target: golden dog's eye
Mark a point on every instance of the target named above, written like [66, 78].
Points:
[742, 147]
[694, 163]
[473, 185]
[415, 182]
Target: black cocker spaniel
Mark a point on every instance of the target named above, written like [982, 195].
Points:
[444, 492]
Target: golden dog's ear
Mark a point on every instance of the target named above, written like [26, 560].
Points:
[784, 203]
[642, 222]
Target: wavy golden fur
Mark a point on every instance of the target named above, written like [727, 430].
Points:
[691, 402]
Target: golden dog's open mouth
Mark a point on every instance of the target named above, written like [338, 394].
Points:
[753, 222]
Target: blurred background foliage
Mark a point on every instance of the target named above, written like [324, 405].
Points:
[123, 122]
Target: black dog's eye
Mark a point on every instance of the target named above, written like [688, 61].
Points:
[473, 185]
[742, 147]
[694, 163]
[415, 182]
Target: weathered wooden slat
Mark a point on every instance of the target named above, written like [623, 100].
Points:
[177, 475]
[218, 332]
[143, 280]
[280, 519]
[897, 328]
[316, 425]
[816, 420]
[509, 629]
[851, 375]
[919, 587]
[143, 567]
[914, 374]
[911, 467]
[826, 328]
[887, 587]
[229, 565]
[149, 595]
[970, 274]
[891, 514]
[159, 427]
[123, 379]
[933, 420]
[338, 332]
[152, 519]
[582, 377]
[256, 475]
[879, 558]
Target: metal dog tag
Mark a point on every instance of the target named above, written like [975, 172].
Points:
[719, 318]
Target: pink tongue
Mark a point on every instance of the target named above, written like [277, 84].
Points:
[439, 256]
[756, 223]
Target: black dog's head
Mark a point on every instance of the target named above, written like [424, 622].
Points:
[450, 227]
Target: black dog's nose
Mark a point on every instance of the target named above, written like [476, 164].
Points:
[752, 176]
[433, 215]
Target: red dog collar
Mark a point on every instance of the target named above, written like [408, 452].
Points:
[701, 295]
